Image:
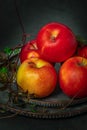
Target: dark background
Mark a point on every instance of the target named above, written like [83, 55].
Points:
[34, 15]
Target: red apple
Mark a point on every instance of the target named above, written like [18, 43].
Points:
[73, 77]
[56, 42]
[37, 77]
[29, 50]
[82, 51]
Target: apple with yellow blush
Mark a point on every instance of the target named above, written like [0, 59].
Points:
[37, 77]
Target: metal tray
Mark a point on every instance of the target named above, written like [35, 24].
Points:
[56, 105]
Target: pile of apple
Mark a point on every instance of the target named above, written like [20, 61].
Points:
[54, 43]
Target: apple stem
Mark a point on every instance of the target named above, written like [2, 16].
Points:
[53, 38]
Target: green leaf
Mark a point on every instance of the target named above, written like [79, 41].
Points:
[16, 51]
[7, 50]
[3, 70]
[81, 39]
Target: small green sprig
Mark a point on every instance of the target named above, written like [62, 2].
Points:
[3, 70]
[8, 51]
[81, 39]
[33, 107]
[16, 51]
[3, 74]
